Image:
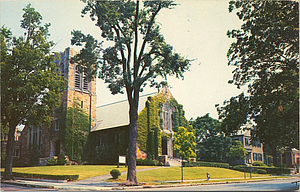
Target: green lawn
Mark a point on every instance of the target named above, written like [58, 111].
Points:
[84, 171]
[163, 174]
[190, 173]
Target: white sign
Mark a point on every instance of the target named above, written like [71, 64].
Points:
[122, 159]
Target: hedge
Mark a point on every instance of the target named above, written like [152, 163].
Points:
[148, 162]
[276, 170]
[44, 176]
[261, 171]
[269, 170]
[205, 164]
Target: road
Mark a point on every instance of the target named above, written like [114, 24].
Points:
[275, 185]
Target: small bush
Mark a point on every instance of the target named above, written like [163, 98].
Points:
[52, 161]
[261, 171]
[239, 168]
[115, 173]
[258, 163]
[61, 160]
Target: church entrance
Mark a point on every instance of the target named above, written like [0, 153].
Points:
[164, 146]
[57, 147]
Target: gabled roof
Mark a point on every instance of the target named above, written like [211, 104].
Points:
[116, 114]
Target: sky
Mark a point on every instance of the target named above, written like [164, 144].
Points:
[195, 28]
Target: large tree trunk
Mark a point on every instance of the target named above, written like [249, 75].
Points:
[9, 152]
[132, 144]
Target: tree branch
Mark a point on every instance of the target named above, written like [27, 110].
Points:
[136, 38]
[145, 39]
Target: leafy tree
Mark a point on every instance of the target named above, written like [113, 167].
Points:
[237, 150]
[30, 84]
[212, 144]
[137, 54]
[266, 57]
[184, 144]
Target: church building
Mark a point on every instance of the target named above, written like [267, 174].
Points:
[159, 117]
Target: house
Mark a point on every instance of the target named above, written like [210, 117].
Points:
[291, 157]
[45, 141]
[254, 148]
[159, 116]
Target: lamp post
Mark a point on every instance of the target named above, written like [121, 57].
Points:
[250, 162]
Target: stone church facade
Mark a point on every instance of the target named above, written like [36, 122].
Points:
[46, 139]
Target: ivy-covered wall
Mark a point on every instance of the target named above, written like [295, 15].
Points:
[147, 129]
[74, 131]
[151, 123]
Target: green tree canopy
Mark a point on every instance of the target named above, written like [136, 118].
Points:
[185, 143]
[212, 144]
[266, 57]
[136, 54]
[30, 83]
[237, 150]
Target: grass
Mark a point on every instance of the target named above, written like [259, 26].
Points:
[149, 176]
[190, 173]
[84, 171]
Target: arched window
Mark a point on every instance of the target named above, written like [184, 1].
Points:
[85, 83]
[81, 80]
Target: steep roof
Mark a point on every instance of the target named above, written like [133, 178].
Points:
[116, 114]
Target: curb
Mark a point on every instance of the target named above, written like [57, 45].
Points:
[41, 180]
[212, 183]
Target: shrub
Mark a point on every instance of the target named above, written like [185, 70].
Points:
[115, 173]
[258, 163]
[239, 168]
[61, 160]
[261, 171]
[52, 161]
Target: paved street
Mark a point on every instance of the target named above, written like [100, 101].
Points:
[275, 185]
